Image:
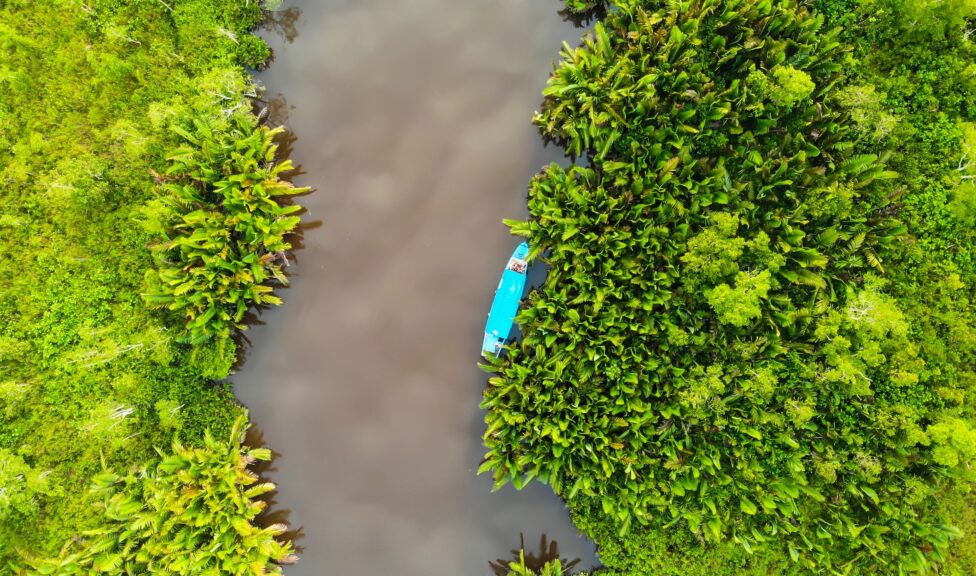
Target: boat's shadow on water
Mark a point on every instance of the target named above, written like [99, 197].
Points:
[272, 513]
[535, 278]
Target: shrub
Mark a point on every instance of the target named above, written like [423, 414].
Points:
[583, 6]
[20, 486]
[669, 552]
[912, 80]
[192, 512]
[223, 226]
[712, 350]
[88, 94]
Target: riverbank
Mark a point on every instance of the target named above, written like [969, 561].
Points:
[753, 351]
[90, 378]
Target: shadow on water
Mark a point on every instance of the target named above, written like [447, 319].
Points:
[583, 19]
[275, 112]
[278, 111]
[548, 551]
[289, 259]
[272, 513]
[534, 279]
[283, 23]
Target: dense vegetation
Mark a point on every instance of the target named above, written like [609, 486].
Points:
[753, 354]
[519, 568]
[129, 151]
[222, 227]
[191, 512]
[754, 350]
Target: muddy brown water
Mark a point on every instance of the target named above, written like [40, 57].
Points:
[412, 122]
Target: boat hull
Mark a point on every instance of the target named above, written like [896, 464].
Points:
[506, 302]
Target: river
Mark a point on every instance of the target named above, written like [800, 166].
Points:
[412, 123]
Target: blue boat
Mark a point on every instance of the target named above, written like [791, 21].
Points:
[508, 296]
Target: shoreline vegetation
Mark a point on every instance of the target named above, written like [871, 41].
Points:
[754, 352]
[134, 175]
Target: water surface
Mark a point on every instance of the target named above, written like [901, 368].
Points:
[412, 120]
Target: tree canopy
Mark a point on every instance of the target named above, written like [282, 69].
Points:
[721, 345]
[93, 96]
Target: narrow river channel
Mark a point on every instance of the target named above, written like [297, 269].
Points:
[412, 120]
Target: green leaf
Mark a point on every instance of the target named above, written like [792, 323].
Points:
[747, 506]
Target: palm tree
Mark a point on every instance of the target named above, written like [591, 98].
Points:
[191, 512]
[223, 221]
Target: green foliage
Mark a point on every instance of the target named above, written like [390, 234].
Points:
[546, 562]
[20, 486]
[954, 444]
[867, 111]
[964, 193]
[668, 552]
[933, 19]
[192, 512]
[583, 6]
[916, 61]
[741, 305]
[168, 413]
[89, 93]
[713, 353]
[785, 86]
[553, 568]
[712, 253]
[223, 226]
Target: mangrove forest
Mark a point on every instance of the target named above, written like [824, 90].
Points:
[239, 331]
